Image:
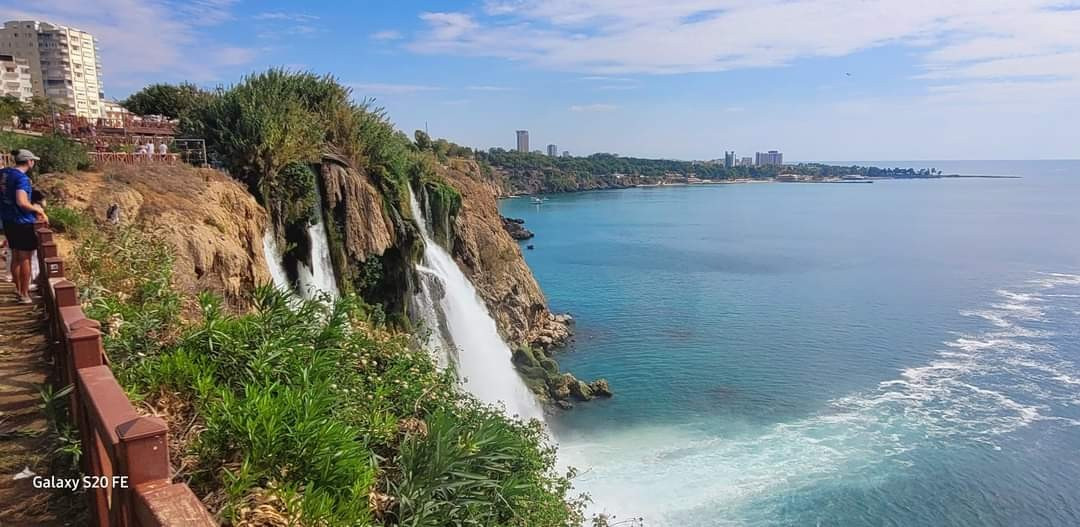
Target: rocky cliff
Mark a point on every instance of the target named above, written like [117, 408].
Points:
[214, 224]
[514, 181]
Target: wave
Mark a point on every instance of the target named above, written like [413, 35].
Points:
[982, 386]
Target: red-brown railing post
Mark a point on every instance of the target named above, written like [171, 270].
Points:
[144, 458]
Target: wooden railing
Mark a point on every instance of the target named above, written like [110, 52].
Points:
[103, 158]
[125, 456]
[126, 158]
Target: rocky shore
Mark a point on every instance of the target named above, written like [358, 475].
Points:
[515, 227]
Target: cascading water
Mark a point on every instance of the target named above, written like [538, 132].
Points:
[462, 326]
[273, 262]
[313, 281]
[319, 278]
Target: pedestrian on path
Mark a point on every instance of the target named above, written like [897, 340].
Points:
[19, 216]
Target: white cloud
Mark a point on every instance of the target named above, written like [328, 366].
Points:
[365, 89]
[606, 78]
[286, 17]
[598, 107]
[962, 42]
[488, 88]
[143, 40]
[386, 34]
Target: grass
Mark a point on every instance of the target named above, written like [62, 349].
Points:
[68, 221]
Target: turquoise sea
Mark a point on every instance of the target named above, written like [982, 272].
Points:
[903, 353]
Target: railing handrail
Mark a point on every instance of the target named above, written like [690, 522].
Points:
[100, 158]
[126, 454]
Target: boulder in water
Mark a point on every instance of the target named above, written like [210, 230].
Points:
[580, 390]
[515, 227]
[600, 388]
[560, 387]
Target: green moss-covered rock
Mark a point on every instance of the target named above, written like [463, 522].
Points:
[524, 358]
[549, 365]
[579, 389]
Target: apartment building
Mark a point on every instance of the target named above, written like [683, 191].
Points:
[64, 64]
[772, 157]
[522, 140]
[15, 77]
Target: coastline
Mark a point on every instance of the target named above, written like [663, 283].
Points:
[522, 193]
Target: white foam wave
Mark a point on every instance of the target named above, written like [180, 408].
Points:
[981, 387]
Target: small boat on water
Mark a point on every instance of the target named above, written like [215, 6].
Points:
[539, 201]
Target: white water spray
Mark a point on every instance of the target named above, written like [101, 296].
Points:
[319, 278]
[315, 280]
[483, 360]
[278, 275]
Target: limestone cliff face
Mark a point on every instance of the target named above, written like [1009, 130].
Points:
[214, 224]
[494, 263]
[354, 201]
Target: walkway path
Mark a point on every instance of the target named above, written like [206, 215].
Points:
[24, 438]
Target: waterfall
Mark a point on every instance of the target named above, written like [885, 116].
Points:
[320, 277]
[460, 323]
[312, 281]
[273, 262]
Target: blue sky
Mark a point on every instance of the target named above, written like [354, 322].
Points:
[819, 80]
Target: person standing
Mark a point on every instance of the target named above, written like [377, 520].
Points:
[19, 216]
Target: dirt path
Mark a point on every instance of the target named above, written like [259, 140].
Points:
[25, 442]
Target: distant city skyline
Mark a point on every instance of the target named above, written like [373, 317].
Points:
[939, 81]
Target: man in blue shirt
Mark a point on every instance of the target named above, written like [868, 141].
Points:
[19, 215]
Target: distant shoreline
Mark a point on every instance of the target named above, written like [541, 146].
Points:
[758, 181]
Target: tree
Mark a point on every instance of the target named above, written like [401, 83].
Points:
[423, 140]
[171, 100]
[10, 106]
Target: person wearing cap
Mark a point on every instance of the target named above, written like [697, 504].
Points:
[19, 216]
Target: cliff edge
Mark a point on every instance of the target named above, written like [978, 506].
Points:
[213, 223]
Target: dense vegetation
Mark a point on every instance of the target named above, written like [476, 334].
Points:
[13, 110]
[307, 412]
[170, 100]
[57, 153]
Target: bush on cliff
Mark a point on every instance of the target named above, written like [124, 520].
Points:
[58, 154]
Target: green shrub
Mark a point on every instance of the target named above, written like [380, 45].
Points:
[72, 222]
[475, 467]
[57, 153]
[125, 278]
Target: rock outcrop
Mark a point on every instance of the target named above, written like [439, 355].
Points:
[357, 206]
[515, 227]
[214, 224]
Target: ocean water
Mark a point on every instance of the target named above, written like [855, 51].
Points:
[900, 353]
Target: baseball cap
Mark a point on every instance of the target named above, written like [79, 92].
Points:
[24, 155]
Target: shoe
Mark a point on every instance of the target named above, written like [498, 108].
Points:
[25, 300]
[33, 287]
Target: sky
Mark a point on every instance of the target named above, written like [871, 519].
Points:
[687, 79]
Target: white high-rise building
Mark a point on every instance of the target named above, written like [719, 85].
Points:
[15, 77]
[63, 61]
